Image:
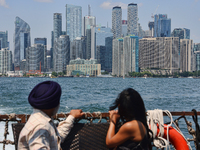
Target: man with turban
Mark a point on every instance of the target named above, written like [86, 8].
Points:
[40, 132]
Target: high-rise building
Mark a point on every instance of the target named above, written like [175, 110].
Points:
[40, 41]
[197, 54]
[117, 57]
[57, 25]
[24, 43]
[101, 52]
[89, 21]
[36, 57]
[186, 55]
[108, 55]
[182, 33]
[124, 28]
[88, 44]
[132, 19]
[131, 54]
[116, 22]
[151, 28]
[3, 39]
[73, 21]
[159, 53]
[78, 48]
[61, 53]
[5, 60]
[98, 35]
[20, 27]
[162, 26]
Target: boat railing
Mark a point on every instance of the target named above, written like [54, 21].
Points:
[89, 129]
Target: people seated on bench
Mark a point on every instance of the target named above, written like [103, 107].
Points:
[40, 132]
[134, 133]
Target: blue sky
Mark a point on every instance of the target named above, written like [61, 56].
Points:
[39, 14]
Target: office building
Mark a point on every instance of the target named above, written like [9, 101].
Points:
[61, 53]
[182, 33]
[151, 28]
[20, 27]
[40, 41]
[116, 22]
[101, 52]
[159, 53]
[5, 60]
[132, 19]
[108, 54]
[78, 48]
[88, 44]
[36, 57]
[83, 67]
[48, 62]
[24, 43]
[3, 39]
[197, 54]
[89, 21]
[186, 55]
[73, 21]
[57, 25]
[98, 35]
[162, 26]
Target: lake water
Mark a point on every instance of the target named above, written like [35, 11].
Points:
[96, 94]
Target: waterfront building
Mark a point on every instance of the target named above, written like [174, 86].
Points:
[162, 26]
[73, 21]
[186, 55]
[98, 35]
[159, 53]
[101, 52]
[40, 41]
[116, 22]
[117, 57]
[83, 67]
[23, 65]
[131, 54]
[22, 31]
[3, 39]
[48, 62]
[36, 57]
[132, 19]
[108, 53]
[5, 60]
[88, 44]
[78, 48]
[89, 21]
[61, 53]
[124, 28]
[182, 33]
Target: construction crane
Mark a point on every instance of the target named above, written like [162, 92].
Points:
[152, 16]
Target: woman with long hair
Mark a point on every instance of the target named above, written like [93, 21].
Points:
[134, 133]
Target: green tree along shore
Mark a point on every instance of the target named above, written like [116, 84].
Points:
[175, 75]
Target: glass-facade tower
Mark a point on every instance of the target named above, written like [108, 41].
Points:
[3, 39]
[73, 21]
[132, 21]
[116, 22]
[20, 27]
[162, 26]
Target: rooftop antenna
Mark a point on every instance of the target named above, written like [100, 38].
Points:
[89, 10]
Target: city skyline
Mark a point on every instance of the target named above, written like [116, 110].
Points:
[41, 19]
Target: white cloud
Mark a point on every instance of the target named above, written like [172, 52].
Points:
[44, 1]
[3, 3]
[110, 5]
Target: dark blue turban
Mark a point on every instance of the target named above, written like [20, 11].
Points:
[45, 95]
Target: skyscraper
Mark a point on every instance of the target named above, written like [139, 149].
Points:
[73, 21]
[116, 22]
[61, 53]
[182, 33]
[132, 19]
[3, 39]
[20, 27]
[23, 45]
[36, 55]
[108, 54]
[124, 28]
[40, 41]
[88, 22]
[162, 26]
[78, 48]
[57, 25]
[5, 60]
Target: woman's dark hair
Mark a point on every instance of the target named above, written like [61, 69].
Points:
[130, 105]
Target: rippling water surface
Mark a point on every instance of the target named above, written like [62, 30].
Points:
[96, 94]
